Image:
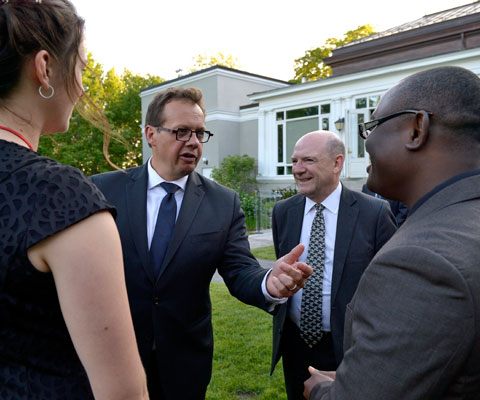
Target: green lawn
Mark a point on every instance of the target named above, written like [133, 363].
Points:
[265, 253]
[243, 345]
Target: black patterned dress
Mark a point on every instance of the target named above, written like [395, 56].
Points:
[38, 198]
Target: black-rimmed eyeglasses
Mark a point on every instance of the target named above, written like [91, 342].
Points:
[184, 135]
[366, 128]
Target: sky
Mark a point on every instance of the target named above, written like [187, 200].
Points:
[160, 37]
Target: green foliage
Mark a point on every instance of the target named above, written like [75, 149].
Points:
[202, 61]
[241, 359]
[265, 253]
[249, 205]
[237, 172]
[311, 66]
[285, 193]
[118, 96]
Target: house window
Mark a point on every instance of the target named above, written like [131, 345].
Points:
[365, 106]
[302, 112]
[373, 101]
[292, 125]
[325, 117]
[361, 103]
[280, 143]
[360, 143]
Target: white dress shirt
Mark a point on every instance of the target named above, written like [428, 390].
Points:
[330, 214]
[155, 195]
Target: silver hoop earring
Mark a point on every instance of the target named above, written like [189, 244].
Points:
[46, 96]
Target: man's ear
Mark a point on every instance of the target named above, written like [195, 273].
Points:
[420, 130]
[149, 132]
[339, 159]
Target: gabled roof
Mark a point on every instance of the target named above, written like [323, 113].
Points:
[430, 19]
[209, 69]
[448, 31]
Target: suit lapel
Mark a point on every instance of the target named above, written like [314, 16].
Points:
[347, 219]
[191, 203]
[136, 195]
[294, 222]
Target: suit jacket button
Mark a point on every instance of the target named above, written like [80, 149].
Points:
[156, 301]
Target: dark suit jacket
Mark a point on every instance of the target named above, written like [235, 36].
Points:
[364, 225]
[399, 210]
[412, 330]
[175, 310]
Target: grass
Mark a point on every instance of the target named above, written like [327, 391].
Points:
[265, 253]
[242, 355]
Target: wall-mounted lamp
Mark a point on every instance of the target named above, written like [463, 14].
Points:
[205, 160]
[340, 124]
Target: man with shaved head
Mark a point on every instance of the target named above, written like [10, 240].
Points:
[341, 230]
[412, 330]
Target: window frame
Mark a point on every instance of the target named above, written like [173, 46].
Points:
[285, 164]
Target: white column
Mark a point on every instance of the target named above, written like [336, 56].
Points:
[266, 143]
[261, 142]
[338, 110]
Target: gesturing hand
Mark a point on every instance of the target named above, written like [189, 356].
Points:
[288, 275]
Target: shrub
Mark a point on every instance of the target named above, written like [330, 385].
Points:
[237, 172]
[285, 193]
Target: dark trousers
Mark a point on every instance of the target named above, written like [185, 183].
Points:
[159, 388]
[153, 381]
[297, 357]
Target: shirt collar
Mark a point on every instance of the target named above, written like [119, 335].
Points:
[154, 179]
[331, 203]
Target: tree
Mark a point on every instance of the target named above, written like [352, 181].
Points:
[311, 66]
[237, 172]
[202, 61]
[123, 110]
[118, 96]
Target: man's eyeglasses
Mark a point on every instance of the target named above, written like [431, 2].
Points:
[184, 135]
[366, 128]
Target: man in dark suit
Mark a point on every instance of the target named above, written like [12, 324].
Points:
[177, 228]
[356, 226]
[412, 330]
[399, 210]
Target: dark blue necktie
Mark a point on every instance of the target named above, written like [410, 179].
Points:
[164, 227]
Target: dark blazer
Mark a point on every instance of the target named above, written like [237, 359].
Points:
[399, 210]
[174, 311]
[364, 225]
[412, 331]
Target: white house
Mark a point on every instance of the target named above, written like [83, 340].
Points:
[264, 117]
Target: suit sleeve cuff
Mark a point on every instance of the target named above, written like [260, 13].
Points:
[271, 301]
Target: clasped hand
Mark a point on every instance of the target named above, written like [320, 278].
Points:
[316, 378]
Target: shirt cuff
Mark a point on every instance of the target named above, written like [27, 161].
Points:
[271, 301]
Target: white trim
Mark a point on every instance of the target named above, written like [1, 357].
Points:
[222, 116]
[377, 72]
[213, 72]
[251, 115]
